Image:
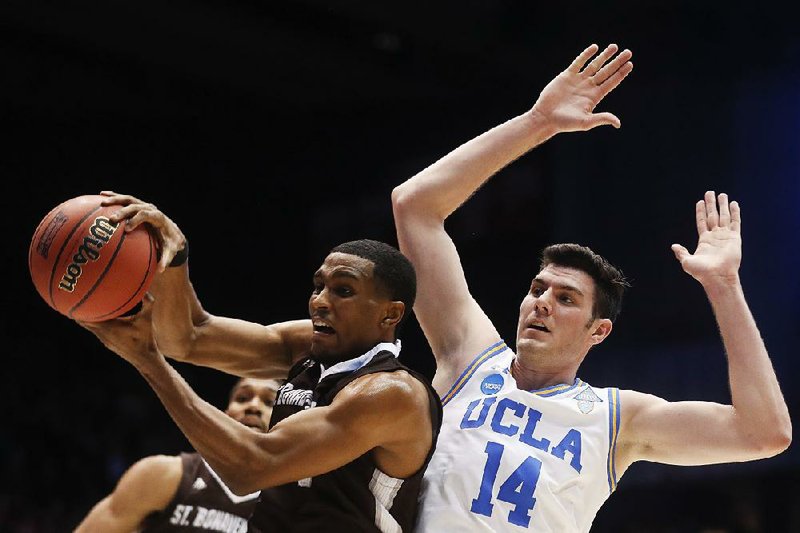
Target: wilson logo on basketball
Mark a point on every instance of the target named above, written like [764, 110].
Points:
[99, 234]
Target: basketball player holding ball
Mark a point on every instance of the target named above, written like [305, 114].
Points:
[352, 429]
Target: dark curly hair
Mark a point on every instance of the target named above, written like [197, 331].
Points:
[610, 283]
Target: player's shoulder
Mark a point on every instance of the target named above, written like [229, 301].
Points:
[398, 384]
[635, 402]
[385, 394]
[157, 476]
[159, 465]
[634, 397]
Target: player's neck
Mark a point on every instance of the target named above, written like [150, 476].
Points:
[532, 376]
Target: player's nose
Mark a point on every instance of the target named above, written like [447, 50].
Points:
[542, 304]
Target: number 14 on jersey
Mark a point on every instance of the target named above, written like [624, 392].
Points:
[517, 489]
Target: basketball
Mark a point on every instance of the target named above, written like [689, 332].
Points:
[86, 267]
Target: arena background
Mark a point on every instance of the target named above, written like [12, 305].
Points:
[273, 131]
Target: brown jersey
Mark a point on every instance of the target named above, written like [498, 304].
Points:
[201, 503]
[356, 497]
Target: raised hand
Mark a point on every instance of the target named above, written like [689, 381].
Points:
[569, 100]
[170, 236]
[719, 245]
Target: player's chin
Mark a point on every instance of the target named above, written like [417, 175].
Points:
[321, 350]
[529, 341]
[258, 427]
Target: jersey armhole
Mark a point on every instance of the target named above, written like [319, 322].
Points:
[481, 358]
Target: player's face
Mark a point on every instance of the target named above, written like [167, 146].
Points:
[347, 309]
[555, 317]
[251, 402]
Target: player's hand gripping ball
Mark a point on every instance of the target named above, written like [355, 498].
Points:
[88, 268]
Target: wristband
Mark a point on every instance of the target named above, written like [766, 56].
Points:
[181, 256]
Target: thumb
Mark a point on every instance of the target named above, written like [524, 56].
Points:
[680, 252]
[603, 119]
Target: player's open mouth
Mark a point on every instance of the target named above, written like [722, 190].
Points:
[538, 327]
[323, 328]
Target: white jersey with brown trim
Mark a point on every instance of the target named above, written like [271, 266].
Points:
[515, 460]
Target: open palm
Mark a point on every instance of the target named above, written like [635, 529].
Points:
[719, 245]
[569, 100]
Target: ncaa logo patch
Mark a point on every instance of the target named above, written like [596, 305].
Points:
[492, 384]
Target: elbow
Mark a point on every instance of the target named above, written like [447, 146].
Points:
[411, 203]
[401, 196]
[242, 478]
[783, 437]
[253, 469]
[773, 442]
[408, 197]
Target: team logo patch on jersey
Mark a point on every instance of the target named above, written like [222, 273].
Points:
[586, 399]
[492, 384]
[288, 395]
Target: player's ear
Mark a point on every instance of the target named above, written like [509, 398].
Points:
[393, 314]
[601, 328]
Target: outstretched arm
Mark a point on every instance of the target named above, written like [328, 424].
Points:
[383, 413]
[454, 324]
[756, 425]
[146, 487]
[185, 331]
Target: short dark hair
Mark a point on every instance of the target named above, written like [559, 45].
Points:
[609, 282]
[393, 270]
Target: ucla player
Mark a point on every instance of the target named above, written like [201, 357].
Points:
[181, 493]
[525, 443]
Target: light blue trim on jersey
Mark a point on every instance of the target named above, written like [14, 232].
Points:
[613, 430]
[552, 390]
[351, 365]
[485, 355]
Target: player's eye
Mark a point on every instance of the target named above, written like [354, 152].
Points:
[343, 290]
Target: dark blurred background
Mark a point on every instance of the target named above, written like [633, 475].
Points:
[271, 132]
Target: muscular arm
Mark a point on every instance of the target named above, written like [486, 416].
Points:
[756, 424]
[147, 486]
[455, 326]
[186, 332]
[248, 349]
[384, 413]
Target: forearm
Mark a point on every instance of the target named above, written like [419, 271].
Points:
[228, 446]
[755, 392]
[176, 313]
[442, 187]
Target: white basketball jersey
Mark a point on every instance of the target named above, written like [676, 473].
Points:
[515, 460]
